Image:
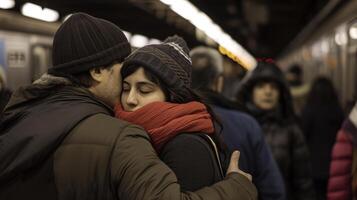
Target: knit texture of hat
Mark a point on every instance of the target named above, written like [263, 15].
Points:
[84, 42]
[170, 61]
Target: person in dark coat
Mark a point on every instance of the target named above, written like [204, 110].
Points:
[240, 130]
[321, 119]
[265, 93]
[59, 138]
[157, 95]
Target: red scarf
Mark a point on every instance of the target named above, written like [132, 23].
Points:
[163, 120]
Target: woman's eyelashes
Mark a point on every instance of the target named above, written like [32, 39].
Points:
[146, 89]
[143, 88]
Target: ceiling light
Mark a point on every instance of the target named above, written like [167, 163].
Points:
[353, 32]
[7, 4]
[37, 12]
[138, 41]
[204, 23]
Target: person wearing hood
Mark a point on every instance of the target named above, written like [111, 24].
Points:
[157, 95]
[240, 130]
[342, 183]
[265, 93]
[59, 138]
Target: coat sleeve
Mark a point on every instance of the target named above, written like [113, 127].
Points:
[140, 174]
[339, 184]
[302, 183]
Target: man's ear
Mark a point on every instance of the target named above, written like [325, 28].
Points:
[97, 74]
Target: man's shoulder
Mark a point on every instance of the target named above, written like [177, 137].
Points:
[239, 115]
[100, 128]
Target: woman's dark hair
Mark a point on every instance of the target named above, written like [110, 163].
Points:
[322, 93]
[180, 95]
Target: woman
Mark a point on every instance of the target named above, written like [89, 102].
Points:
[156, 95]
[321, 118]
[266, 95]
[342, 184]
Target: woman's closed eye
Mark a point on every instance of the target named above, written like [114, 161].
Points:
[126, 87]
[145, 89]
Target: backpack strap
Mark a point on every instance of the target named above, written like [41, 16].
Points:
[216, 154]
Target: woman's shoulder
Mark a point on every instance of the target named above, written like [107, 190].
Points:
[189, 140]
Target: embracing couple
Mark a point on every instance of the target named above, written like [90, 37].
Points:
[74, 134]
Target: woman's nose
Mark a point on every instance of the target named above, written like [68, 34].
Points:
[132, 100]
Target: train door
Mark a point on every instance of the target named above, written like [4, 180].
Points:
[40, 60]
[41, 55]
[15, 51]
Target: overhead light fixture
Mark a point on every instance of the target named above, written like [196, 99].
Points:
[37, 12]
[204, 23]
[7, 4]
[353, 32]
[139, 41]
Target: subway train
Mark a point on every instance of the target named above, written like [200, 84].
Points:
[330, 49]
[25, 48]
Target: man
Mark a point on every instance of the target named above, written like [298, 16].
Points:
[298, 89]
[59, 139]
[240, 131]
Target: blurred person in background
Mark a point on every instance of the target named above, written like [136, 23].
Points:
[233, 73]
[342, 183]
[266, 95]
[321, 118]
[298, 89]
[157, 95]
[59, 138]
[240, 130]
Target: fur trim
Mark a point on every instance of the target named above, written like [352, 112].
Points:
[47, 79]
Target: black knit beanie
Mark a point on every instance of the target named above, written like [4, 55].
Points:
[170, 61]
[84, 42]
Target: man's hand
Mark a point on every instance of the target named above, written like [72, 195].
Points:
[234, 166]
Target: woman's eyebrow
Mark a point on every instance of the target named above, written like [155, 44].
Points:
[146, 83]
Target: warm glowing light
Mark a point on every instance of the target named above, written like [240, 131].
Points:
[36, 11]
[7, 4]
[212, 31]
[353, 32]
[139, 41]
